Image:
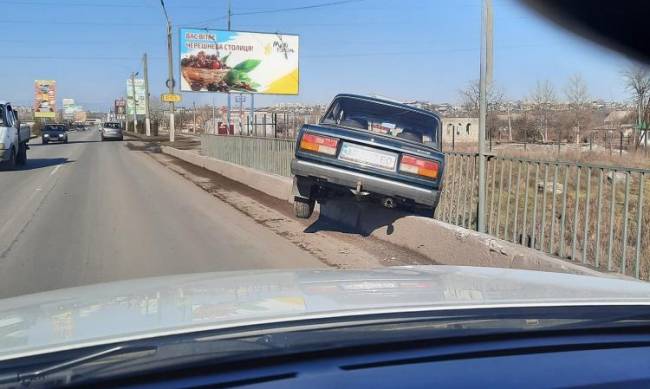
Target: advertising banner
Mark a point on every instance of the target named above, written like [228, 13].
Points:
[69, 109]
[44, 99]
[233, 61]
[120, 109]
[140, 96]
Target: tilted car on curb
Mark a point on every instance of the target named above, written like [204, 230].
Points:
[373, 148]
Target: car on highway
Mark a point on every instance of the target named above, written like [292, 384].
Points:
[370, 147]
[54, 133]
[412, 326]
[13, 137]
[111, 130]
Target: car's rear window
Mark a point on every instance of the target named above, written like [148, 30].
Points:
[384, 119]
[54, 128]
[112, 125]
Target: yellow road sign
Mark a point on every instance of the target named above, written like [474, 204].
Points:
[170, 98]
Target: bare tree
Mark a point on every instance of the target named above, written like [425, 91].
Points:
[543, 98]
[495, 100]
[637, 81]
[470, 98]
[578, 97]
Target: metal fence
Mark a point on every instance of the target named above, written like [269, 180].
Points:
[586, 213]
[267, 154]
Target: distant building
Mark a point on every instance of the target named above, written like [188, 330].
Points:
[460, 130]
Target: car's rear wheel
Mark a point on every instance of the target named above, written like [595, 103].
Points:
[303, 208]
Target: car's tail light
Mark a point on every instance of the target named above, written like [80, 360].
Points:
[419, 166]
[319, 144]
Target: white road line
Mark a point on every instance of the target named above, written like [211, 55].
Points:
[55, 169]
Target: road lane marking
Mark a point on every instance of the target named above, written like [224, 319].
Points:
[55, 169]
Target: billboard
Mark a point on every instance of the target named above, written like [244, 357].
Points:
[140, 96]
[120, 106]
[69, 109]
[44, 99]
[234, 61]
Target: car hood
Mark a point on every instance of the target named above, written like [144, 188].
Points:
[105, 313]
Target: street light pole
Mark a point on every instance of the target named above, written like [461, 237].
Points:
[147, 120]
[485, 73]
[135, 103]
[170, 74]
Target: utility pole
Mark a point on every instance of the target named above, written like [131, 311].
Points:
[170, 75]
[229, 102]
[147, 120]
[485, 77]
[135, 103]
[194, 117]
[214, 119]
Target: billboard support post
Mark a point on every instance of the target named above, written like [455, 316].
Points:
[170, 81]
[147, 120]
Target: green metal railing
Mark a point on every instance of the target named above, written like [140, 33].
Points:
[592, 214]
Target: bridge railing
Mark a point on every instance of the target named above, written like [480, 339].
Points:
[592, 214]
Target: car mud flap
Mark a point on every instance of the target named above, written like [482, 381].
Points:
[302, 187]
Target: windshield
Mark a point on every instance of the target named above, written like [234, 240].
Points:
[180, 166]
[384, 119]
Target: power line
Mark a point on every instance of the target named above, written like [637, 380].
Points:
[288, 9]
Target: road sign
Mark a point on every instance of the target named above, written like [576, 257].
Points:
[240, 99]
[170, 98]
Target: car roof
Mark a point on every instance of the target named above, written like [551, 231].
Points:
[3, 102]
[388, 102]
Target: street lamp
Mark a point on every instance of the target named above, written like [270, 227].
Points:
[170, 76]
[135, 102]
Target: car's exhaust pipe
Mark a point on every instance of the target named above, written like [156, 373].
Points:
[388, 202]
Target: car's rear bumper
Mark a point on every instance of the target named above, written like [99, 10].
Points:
[375, 185]
[113, 135]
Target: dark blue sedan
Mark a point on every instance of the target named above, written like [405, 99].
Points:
[373, 148]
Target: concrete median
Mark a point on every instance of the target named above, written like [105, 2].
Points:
[441, 242]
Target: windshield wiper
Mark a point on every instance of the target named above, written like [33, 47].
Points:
[124, 352]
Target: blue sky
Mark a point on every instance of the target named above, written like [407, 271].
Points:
[406, 49]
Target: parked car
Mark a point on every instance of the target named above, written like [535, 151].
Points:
[13, 137]
[54, 133]
[372, 148]
[112, 130]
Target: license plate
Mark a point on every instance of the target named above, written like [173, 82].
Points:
[368, 156]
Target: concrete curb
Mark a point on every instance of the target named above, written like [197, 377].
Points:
[271, 184]
[443, 243]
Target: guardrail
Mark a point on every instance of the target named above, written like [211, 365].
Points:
[271, 155]
[591, 214]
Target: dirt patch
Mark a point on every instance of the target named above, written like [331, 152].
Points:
[336, 249]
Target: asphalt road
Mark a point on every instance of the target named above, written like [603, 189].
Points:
[90, 211]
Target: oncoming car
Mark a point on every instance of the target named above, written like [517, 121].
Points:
[54, 133]
[112, 130]
[369, 147]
